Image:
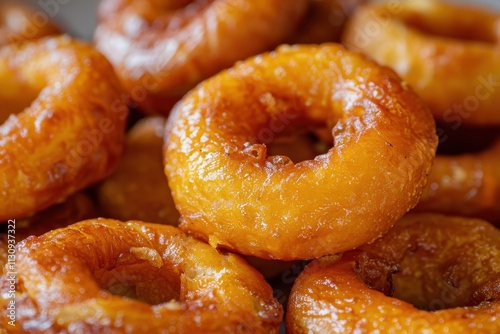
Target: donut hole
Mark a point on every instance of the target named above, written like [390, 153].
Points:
[285, 134]
[14, 98]
[301, 147]
[140, 279]
[19, 89]
[426, 284]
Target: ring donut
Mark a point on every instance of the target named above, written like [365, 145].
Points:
[106, 276]
[161, 50]
[429, 274]
[465, 185]
[63, 123]
[449, 54]
[20, 23]
[138, 190]
[231, 193]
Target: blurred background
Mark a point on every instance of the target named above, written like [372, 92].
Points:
[78, 16]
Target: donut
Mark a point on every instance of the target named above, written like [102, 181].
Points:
[20, 23]
[465, 185]
[230, 192]
[102, 275]
[138, 190]
[448, 53]
[63, 123]
[429, 274]
[161, 50]
[324, 21]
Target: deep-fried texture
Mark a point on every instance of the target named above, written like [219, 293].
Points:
[230, 192]
[449, 54]
[430, 273]
[65, 123]
[20, 23]
[324, 21]
[161, 49]
[138, 190]
[465, 185]
[79, 281]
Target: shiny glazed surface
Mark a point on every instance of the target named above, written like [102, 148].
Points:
[447, 264]
[449, 54]
[230, 192]
[161, 49]
[170, 280]
[63, 123]
[139, 189]
[467, 184]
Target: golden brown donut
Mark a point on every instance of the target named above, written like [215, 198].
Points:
[429, 274]
[106, 276]
[449, 54]
[20, 23]
[465, 185]
[324, 21]
[161, 49]
[63, 123]
[139, 189]
[230, 192]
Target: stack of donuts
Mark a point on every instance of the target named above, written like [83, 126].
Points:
[237, 166]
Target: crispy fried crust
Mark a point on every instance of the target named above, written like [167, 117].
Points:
[230, 192]
[448, 267]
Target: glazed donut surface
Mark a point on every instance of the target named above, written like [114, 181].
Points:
[160, 50]
[106, 276]
[449, 54]
[465, 185]
[230, 192]
[430, 273]
[63, 123]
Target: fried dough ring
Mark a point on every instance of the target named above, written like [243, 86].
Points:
[449, 54]
[20, 23]
[160, 50]
[231, 193]
[138, 190]
[69, 137]
[447, 264]
[189, 286]
[465, 185]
